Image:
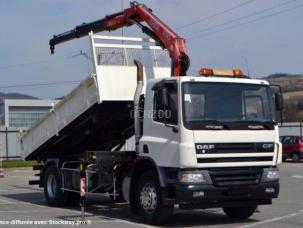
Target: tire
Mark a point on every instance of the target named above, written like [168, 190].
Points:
[52, 188]
[295, 157]
[149, 200]
[239, 213]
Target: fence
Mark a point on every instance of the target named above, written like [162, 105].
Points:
[291, 128]
[9, 143]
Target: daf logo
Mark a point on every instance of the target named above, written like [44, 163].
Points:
[267, 145]
[205, 147]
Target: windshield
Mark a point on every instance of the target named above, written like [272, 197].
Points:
[227, 102]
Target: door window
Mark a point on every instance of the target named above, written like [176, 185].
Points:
[166, 114]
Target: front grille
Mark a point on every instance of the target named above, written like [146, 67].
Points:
[234, 153]
[221, 148]
[236, 177]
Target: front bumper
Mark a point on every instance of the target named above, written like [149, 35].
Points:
[213, 196]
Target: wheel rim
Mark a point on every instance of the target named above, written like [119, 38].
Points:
[148, 198]
[295, 158]
[51, 186]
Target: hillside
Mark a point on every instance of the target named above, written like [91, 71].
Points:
[292, 87]
[288, 82]
[14, 96]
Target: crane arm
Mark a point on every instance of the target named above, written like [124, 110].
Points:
[136, 14]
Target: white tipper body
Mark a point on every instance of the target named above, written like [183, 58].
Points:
[118, 83]
[113, 80]
[177, 149]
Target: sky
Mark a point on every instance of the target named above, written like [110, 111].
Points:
[262, 37]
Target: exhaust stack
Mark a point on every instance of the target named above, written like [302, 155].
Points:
[138, 130]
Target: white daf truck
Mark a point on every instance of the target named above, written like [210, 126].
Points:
[204, 141]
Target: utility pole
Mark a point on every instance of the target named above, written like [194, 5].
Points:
[247, 67]
[1, 158]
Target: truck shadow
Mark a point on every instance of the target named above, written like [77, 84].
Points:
[108, 211]
[29, 197]
[105, 210]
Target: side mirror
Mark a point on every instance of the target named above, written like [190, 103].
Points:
[279, 101]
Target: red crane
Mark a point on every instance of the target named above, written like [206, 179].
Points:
[136, 14]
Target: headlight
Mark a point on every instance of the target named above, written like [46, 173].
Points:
[273, 175]
[191, 177]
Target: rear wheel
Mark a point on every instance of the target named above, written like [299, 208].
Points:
[295, 157]
[239, 213]
[149, 200]
[52, 188]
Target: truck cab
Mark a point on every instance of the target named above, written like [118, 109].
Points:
[214, 140]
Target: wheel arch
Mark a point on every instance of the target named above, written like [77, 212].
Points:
[46, 164]
[142, 165]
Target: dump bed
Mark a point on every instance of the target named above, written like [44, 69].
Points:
[96, 114]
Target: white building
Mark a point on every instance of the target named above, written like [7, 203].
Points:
[19, 114]
[24, 113]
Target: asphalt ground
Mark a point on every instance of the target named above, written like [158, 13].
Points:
[21, 203]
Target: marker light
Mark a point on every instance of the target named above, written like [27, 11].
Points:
[238, 73]
[206, 72]
[223, 72]
[220, 72]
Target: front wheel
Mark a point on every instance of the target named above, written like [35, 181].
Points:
[149, 199]
[239, 213]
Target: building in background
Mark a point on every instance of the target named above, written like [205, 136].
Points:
[24, 113]
[16, 114]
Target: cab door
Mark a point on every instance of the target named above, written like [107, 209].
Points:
[160, 139]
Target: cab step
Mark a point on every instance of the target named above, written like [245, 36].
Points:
[37, 167]
[34, 182]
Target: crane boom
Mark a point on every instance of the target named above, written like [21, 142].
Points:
[136, 14]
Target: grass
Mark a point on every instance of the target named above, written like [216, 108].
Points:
[17, 163]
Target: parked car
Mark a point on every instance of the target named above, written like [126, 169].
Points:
[292, 147]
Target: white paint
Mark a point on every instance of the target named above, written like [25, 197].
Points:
[300, 212]
[4, 201]
[29, 170]
[297, 176]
